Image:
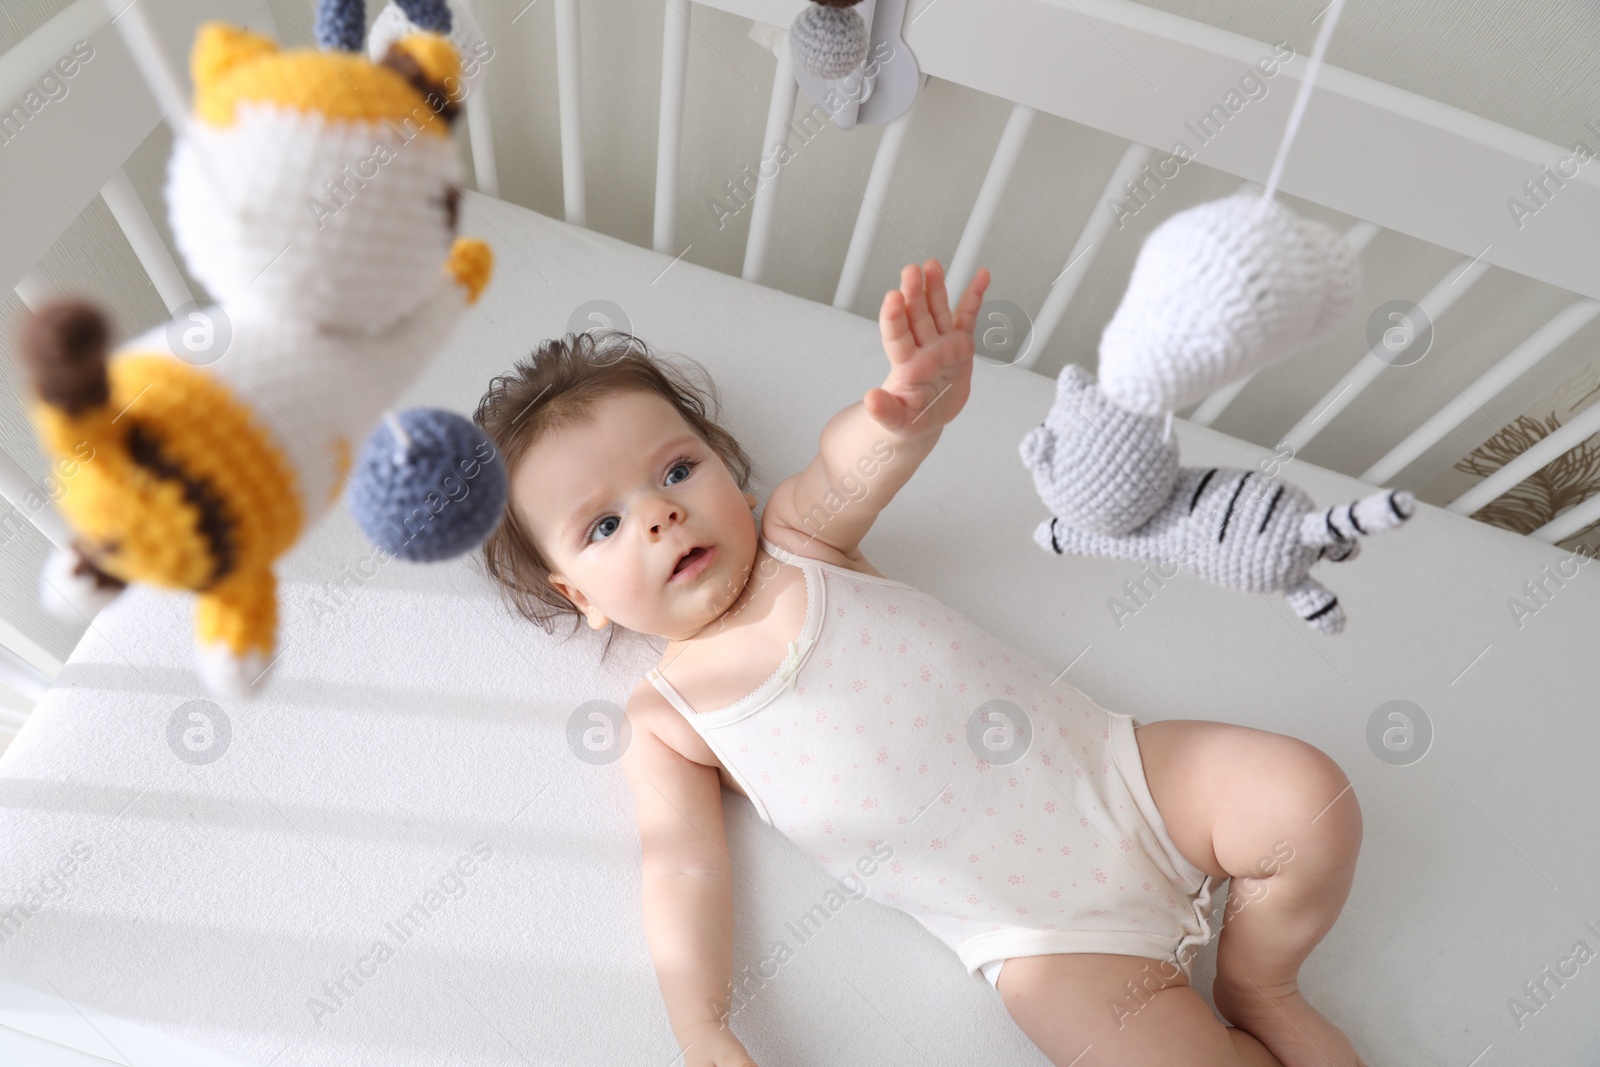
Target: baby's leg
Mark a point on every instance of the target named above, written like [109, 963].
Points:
[1279, 818]
[1088, 1009]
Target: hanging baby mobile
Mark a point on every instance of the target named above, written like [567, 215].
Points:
[830, 38]
[856, 67]
[1217, 292]
[208, 465]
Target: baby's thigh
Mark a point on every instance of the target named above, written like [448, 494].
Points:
[1080, 1010]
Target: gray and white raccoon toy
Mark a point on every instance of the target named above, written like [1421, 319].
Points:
[1110, 475]
[1114, 488]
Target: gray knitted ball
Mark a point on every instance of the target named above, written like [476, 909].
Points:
[1096, 466]
[829, 42]
[437, 497]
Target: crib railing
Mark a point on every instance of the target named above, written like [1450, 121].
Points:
[1388, 157]
[1369, 150]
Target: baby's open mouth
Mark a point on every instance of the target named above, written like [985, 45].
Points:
[693, 563]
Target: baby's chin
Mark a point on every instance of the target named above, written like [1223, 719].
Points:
[720, 611]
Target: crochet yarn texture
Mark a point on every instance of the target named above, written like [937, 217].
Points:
[829, 42]
[1229, 526]
[1219, 291]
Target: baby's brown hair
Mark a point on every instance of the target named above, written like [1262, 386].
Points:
[558, 386]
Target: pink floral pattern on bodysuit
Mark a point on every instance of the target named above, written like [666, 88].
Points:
[875, 743]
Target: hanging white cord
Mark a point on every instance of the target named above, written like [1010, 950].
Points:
[402, 440]
[1312, 67]
[1304, 95]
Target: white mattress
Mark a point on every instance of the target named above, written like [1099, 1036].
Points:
[419, 717]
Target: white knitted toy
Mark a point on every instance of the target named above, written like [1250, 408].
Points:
[1219, 291]
[314, 195]
[1115, 488]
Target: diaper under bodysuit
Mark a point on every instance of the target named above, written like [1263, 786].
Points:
[1016, 808]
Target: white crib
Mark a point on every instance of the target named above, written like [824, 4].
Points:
[209, 904]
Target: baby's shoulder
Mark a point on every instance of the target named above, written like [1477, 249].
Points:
[648, 710]
[800, 543]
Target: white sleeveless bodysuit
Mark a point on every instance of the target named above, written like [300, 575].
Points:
[889, 741]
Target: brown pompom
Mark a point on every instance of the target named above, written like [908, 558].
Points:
[64, 347]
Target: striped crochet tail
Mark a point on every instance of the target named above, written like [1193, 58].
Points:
[1334, 532]
[1336, 529]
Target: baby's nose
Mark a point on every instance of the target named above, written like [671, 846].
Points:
[673, 513]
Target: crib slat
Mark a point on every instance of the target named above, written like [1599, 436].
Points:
[669, 128]
[1539, 344]
[263, 20]
[141, 232]
[1452, 287]
[33, 290]
[479, 129]
[1574, 433]
[780, 110]
[153, 62]
[1358, 236]
[16, 485]
[1083, 254]
[1213, 405]
[883, 164]
[1570, 521]
[964, 263]
[26, 656]
[24, 494]
[481, 133]
[568, 78]
[22, 678]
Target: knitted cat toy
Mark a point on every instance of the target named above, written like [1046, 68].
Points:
[315, 197]
[829, 38]
[1110, 475]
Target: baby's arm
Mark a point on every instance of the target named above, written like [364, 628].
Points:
[871, 448]
[687, 893]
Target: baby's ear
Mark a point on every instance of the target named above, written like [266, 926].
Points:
[560, 585]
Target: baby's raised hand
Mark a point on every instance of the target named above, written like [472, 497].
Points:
[930, 353]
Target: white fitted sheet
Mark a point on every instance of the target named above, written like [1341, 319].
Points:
[419, 717]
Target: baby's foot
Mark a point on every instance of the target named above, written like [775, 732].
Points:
[1281, 1019]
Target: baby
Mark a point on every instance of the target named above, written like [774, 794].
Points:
[1066, 852]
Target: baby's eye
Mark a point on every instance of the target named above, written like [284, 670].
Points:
[686, 465]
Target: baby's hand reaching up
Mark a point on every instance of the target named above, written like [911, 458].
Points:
[930, 354]
[712, 1044]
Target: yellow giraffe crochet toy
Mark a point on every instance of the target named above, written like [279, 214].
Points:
[314, 194]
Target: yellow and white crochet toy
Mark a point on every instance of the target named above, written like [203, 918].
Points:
[315, 195]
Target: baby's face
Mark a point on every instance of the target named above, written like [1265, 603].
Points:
[615, 504]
